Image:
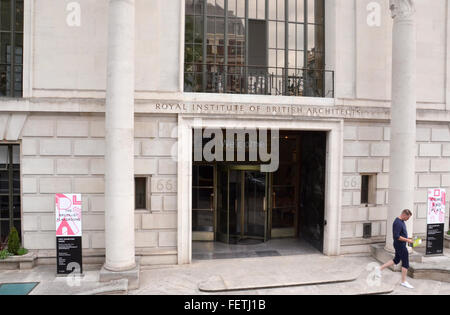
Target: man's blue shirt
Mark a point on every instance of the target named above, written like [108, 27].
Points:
[399, 229]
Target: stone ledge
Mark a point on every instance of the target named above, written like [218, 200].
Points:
[23, 262]
[436, 274]
[383, 256]
[447, 241]
[362, 241]
[219, 284]
[421, 267]
[432, 268]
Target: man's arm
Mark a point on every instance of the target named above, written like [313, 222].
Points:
[406, 240]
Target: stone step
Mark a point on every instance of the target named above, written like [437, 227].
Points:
[218, 284]
[279, 272]
[438, 271]
[421, 266]
[362, 283]
[357, 287]
[84, 287]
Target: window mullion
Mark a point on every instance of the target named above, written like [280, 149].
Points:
[10, 187]
[246, 47]
[305, 40]
[225, 67]
[13, 50]
[205, 44]
[286, 45]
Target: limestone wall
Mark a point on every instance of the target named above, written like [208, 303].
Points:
[366, 150]
[363, 51]
[65, 154]
[69, 60]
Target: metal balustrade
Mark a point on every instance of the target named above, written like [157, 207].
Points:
[258, 80]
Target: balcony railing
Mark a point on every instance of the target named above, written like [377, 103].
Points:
[257, 80]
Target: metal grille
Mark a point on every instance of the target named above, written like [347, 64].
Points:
[258, 80]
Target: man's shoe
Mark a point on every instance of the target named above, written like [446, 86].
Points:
[407, 285]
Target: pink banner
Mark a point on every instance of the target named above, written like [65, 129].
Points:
[68, 214]
[436, 206]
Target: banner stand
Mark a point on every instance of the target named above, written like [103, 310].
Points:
[435, 222]
[69, 260]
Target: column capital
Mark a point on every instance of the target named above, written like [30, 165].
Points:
[402, 8]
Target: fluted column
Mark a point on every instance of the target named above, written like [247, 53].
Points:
[119, 157]
[403, 110]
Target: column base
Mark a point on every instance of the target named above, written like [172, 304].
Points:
[131, 275]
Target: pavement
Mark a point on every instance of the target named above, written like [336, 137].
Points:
[287, 275]
[50, 284]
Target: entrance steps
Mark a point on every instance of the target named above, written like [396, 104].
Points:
[421, 267]
[311, 274]
[431, 268]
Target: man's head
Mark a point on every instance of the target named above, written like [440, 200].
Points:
[406, 214]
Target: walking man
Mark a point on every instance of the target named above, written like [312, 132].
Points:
[401, 251]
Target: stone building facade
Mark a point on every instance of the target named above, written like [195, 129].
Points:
[59, 121]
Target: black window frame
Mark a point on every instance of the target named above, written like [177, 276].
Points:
[200, 62]
[11, 61]
[141, 180]
[13, 192]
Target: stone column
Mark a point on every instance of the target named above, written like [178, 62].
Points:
[119, 158]
[403, 109]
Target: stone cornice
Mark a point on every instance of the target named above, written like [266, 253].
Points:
[337, 109]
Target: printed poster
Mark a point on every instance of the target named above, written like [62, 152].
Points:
[68, 234]
[68, 214]
[435, 221]
[436, 206]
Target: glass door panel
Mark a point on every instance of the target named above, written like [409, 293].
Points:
[255, 205]
[222, 234]
[235, 204]
[203, 202]
[241, 204]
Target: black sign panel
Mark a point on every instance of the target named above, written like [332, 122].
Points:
[435, 239]
[68, 255]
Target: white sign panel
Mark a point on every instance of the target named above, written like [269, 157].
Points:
[436, 206]
[68, 214]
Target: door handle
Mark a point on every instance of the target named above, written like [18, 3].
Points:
[274, 195]
[264, 204]
[211, 202]
[235, 205]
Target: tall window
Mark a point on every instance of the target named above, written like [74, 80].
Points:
[10, 213]
[11, 47]
[272, 47]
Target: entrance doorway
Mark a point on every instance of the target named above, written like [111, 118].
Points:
[237, 204]
[242, 204]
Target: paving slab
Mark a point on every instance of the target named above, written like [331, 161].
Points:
[83, 288]
[185, 279]
[51, 284]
